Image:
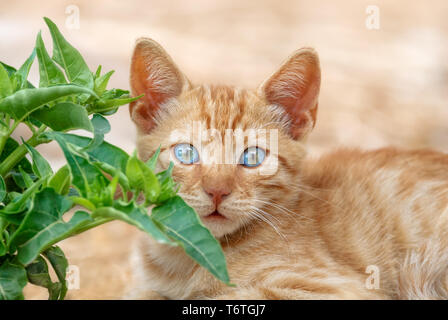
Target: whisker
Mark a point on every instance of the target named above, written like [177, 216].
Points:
[318, 198]
[227, 239]
[282, 209]
[265, 213]
[303, 186]
[263, 218]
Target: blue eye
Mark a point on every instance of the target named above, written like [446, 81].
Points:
[186, 153]
[252, 157]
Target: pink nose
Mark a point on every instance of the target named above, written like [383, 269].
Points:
[217, 194]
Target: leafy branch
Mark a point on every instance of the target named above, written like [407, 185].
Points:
[34, 199]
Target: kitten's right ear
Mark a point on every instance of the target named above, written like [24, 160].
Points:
[295, 88]
[154, 74]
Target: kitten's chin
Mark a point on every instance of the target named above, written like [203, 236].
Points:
[219, 225]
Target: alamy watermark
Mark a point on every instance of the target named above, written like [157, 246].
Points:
[72, 20]
[373, 280]
[73, 277]
[373, 17]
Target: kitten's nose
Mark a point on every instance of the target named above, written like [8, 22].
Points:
[217, 194]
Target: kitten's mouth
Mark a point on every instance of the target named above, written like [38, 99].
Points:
[215, 215]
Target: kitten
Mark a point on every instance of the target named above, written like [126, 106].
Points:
[350, 225]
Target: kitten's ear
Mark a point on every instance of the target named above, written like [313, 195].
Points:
[295, 88]
[154, 74]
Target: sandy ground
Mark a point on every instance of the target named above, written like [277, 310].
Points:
[380, 87]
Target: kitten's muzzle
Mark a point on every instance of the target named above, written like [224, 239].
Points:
[215, 215]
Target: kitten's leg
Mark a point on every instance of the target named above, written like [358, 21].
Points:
[263, 293]
[138, 288]
[293, 286]
[424, 273]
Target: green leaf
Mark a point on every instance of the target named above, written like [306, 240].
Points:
[2, 189]
[37, 273]
[114, 172]
[24, 70]
[43, 225]
[100, 127]
[110, 191]
[168, 188]
[135, 216]
[22, 103]
[97, 72]
[102, 81]
[48, 70]
[41, 167]
[10, 146]
[83, 202]
[3, 248]
[3, 236]
[64, 116]
[26, 178]
[111, 104]
[141, 178]
[12, 71]
[87, 178]
[110, 100]
[105, 157]
[6, 88]
[182, 224]
[17, 176]
[13, 219]
[106, 152]
[19, 203]
[60, 264]
[69, 58]
[151, 163]
[44, 211]
[12, 281]
[115, 94]
[61, 180]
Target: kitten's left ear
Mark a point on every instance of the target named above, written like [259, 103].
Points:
[154, 74]
[295, 88]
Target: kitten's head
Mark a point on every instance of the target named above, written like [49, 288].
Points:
[237, 153]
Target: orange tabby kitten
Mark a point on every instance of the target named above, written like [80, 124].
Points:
[350, 225]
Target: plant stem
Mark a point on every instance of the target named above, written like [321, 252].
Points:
[5, 133]
[14, 127]
[91, 225]
[82, 229]
[20, 152]
[3, 139]
[3, 225]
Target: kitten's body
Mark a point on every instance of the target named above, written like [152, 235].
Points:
[383, 208]
[311, 229]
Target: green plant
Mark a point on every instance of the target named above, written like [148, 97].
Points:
[34, 199]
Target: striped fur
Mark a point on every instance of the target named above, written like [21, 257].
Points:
[312, 228]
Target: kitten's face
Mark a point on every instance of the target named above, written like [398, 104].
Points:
[237, 153]
[225, 193]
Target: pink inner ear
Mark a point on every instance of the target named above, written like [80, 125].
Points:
[154, 75]
[142, 110]
[295, 87]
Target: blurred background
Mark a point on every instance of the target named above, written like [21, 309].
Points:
[384, 76]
